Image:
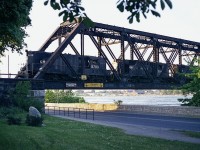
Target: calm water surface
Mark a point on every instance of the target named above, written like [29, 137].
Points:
[162, 100]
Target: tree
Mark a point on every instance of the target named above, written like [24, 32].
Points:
[61, 96]
[70, 9]
[22, 98]
[193, 87]
[14, 17]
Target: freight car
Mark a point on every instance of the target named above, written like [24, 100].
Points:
[139, 71]
[94, 68]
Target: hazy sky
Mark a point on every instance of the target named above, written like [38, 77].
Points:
[181, 22]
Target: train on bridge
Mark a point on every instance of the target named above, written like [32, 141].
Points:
[94, 69]
[154, 61]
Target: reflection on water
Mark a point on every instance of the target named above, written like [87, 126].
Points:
[161, 100]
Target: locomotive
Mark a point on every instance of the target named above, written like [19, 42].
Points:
[94, 67]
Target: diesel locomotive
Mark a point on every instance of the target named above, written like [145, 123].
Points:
[94, 68]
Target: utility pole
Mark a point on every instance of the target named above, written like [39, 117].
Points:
[8, 66]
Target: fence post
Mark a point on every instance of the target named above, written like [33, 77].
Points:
[54, 110]
[74, 112]
[93, 114]
[64, 110]
[79, 113]
[59, 110]
[68, 111]
[86, 114]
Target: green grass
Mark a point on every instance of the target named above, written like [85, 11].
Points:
[192, 134]
[61, 134]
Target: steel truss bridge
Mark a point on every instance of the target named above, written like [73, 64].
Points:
[144, 51]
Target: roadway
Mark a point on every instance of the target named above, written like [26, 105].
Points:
[138, 119]
[150, 120]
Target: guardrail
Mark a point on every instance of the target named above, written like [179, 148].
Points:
[70, 112]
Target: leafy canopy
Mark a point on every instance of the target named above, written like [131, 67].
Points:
[193, 87]
[14, 17]
[71, 9]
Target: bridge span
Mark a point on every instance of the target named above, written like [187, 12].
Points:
[119, 59]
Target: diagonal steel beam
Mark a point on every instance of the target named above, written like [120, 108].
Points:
[150, 55]
[105, 57]
[140, 58]
[69, 65]
[137, 53]
[171, 57]
[174, 56]
[74, 48]
[58, 51]
[109, 50]
[167, 60]
[193, 60]
[49, 40]
[144, 51]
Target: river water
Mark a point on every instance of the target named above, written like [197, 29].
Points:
[161, 100]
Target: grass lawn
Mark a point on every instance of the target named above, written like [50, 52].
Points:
[61, 134]
[192, 134]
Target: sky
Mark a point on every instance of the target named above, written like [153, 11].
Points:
[181, 22]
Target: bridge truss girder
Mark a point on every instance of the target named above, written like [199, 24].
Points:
[143, 46]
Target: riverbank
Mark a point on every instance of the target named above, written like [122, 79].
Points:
[165, 110]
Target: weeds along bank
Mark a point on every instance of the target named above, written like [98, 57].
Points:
[96, 107]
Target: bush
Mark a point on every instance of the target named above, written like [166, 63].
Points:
[26, 103]
[6, 111]
[5, 99]
[81, 100]
[62, 97]
[118, 102]
[22, 98]
[34, 121]
[13, 120]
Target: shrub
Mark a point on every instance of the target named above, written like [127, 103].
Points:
[26, 103]
[81, 100]
[13, 120]
[62, 97]
[22, 99]
[34, 121]
[5, 99]
[118, 102]
[6, 111]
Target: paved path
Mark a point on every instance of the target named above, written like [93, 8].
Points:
[141, 130]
